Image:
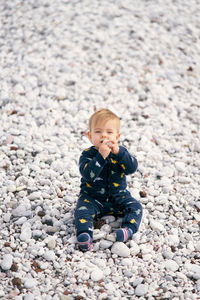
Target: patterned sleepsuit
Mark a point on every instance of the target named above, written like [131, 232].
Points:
[103, 190]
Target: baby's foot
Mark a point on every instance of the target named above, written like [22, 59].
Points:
[123, 234]
[84, 241]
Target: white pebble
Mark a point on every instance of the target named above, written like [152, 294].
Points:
[2, 293]
[155, 225]
[171, 265]
[30, 283]
[49, 255]
[97, 275]
[127, 262]
[34, 196]
[6, 262]
[105, 244]
[29, 297]
[120, 249]
[173, 240]
[26, 234]
[141, 290]
[135, 249]
[180, 166]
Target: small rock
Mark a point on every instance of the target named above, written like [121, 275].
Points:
[30, 283]
[29, 296]
[96, 275]
[52, 244]
[17, 282]
[135, 249]
[49, 255]
[156, 225]
[52, 229]
[111, 237]
[34, 196]
[120, 249]
[127, 262]
[64, 297]
[2, 293]
[14, 267]
[171, 265]
[198, 285]
[180, 166]
[21, 211]
[141, 290]
[137, 281]
[173, 240]
[143, 194]
[26, 234]
[72, 240]
[6, 262]
[99, 235]
[61, 94]
[105, 244]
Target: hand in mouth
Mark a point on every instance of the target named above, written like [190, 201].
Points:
[107, 142]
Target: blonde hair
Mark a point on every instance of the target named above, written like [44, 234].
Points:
[103, 115]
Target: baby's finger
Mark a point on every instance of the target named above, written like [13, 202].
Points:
[109, 144]
[104, 142]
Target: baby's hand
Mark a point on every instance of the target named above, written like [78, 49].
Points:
[114, 148]
[104, 149]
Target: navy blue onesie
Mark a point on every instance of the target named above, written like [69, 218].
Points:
[103, 190]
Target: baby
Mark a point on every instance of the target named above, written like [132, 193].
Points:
[103, 168]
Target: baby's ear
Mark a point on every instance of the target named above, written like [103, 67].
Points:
[118, 136]
[89, 136]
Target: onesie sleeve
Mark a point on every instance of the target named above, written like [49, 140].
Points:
[127, 162]
[90, 166]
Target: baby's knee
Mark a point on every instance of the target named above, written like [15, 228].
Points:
[84, 211]
[134, 205]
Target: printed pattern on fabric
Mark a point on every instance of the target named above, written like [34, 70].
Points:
[110, 173]
[103, 190]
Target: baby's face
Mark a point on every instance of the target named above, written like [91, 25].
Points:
[101, 131]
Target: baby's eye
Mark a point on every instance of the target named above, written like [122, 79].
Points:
[97, 131]
[110, 132]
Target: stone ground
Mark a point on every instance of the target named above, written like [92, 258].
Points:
[61, 60]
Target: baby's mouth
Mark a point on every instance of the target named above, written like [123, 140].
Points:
[108, 143]
[103, 141]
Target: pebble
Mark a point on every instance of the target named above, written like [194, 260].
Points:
[180, 166]
[34, 196]
[198, 285]
[22, 211]
[29, 296]
[173, 240]
[2, 293]
[171, 265]
[99, 235]
[97, 275]
[137, 282]
[52, 244]
[60, 61]
[30, 283]
[26, 232]
[49, 255]
[6, 262]
[134, 248]
[141, 290]
[155, 225]
[105, 244]
[120, 249]
[126, 262]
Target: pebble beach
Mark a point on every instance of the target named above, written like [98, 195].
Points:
[60, 61]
